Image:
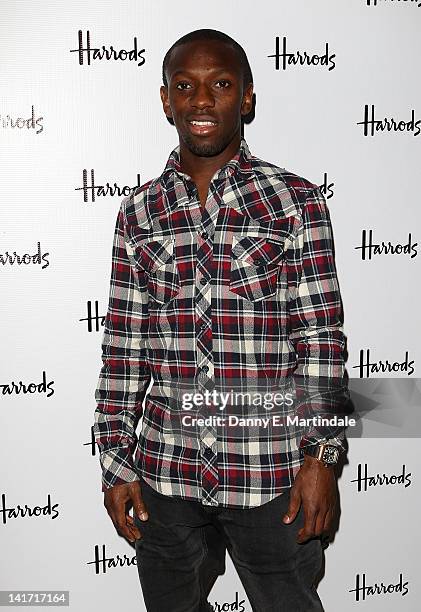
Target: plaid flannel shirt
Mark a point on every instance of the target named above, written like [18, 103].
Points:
[244, 289]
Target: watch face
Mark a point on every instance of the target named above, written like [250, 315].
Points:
[330, 454]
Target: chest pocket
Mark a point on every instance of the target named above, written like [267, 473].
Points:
[157, 258]
[255, 265]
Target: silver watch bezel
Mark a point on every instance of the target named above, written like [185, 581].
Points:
[325, 454]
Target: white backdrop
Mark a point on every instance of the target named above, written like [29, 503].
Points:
[59, 119]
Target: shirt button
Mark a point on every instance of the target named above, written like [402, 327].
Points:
[204, 235]
[208, 452]
[203, 281]
[257, 261]
[203, 326]
[205, 368]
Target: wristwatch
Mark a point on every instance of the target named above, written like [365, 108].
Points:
[327, 453]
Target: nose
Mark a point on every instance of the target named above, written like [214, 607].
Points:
[202, 97]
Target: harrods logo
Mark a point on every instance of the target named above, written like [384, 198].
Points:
[10, 388]
[39, 258]
[237, 605]
[16, 512]
[367, 368]
[369, 248]
[102, 563]
[327, 188]
[285, 59]
[363, 591]
[93, 318]
[92, 191]
[106, 53]
[372, 125]
[92, 442]
[366, 480]
[33, 123]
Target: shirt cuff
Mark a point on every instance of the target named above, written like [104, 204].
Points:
[117, 467]
[309, 440]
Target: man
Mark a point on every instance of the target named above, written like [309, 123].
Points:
[222, 270]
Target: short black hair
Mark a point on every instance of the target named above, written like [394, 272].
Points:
[208, 34]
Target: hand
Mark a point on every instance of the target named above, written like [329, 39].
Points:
[315, 488]
[115, 500]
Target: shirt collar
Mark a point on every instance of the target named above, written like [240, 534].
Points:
[239, 164]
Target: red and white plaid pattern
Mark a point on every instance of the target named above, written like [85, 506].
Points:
[245, 288]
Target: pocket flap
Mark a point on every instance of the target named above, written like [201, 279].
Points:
[258, 251]
[156, 253]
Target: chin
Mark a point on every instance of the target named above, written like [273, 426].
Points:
[204, 149]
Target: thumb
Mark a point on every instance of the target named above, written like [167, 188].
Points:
[138, 504]
[293, 507]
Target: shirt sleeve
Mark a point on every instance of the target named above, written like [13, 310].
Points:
[125, 373]
[316, 326]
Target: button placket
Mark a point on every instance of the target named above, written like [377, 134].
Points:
[203, 306]
[209, 452]
[203, 317]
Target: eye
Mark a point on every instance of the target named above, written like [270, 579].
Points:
[223, 83]
[182, 85]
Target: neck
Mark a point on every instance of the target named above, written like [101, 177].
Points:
[201, 169]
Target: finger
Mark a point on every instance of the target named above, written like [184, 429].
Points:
[115, 502]
[135, 533]
[320, 522]
[139, 506]
[307, 531]
[294, 505]
[124, 530]
[121, 524]
[328, 520]
[131, 525]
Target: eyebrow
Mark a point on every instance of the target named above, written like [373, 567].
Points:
[214, 72]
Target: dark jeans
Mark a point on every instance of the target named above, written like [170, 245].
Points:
[182, 552]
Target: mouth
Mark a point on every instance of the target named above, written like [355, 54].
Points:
[202, 127]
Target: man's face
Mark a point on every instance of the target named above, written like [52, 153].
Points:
[205, 96]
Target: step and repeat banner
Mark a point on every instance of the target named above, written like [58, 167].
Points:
[338, 101]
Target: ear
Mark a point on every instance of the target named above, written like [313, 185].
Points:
[163, 92]
[247, 102]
